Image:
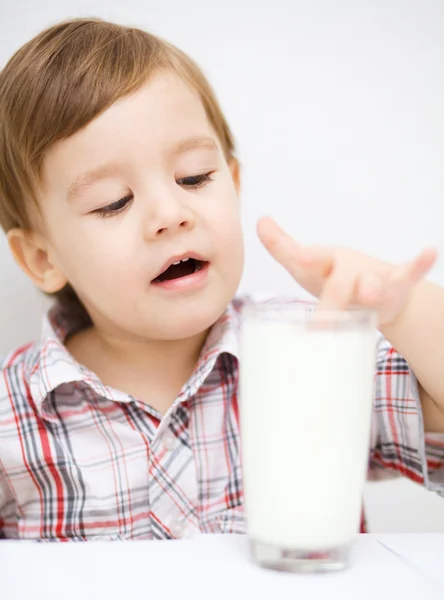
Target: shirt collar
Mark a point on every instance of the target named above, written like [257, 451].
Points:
[53, 366]
[223, 338]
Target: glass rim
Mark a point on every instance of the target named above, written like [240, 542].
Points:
[310, 313]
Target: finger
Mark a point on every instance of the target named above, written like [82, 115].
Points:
[369, 289]
[294, 257]
[409, 274]
[319, 259]
[339, 289]
[279, 244]
[421, 265]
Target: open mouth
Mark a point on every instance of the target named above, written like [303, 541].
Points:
[181, 268]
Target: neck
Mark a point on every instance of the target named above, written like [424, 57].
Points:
[152, 355]
[151, 370]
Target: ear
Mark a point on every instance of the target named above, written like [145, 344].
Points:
[234, 166]
[31, 252]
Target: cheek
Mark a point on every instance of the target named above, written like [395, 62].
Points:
[221, 207]
[229, 239]
[98, 259]
[226, 221]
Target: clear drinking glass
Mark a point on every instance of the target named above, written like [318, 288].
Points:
[306, 387]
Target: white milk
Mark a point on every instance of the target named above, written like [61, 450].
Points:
[305, 406]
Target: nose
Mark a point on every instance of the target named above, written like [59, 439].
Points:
[167, 216]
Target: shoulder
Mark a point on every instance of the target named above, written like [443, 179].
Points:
[19, 356]
[15, 371]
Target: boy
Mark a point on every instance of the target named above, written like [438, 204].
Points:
[119, 195]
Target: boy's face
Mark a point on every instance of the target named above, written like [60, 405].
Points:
[142, 185]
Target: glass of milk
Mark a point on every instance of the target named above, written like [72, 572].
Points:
[306, 388]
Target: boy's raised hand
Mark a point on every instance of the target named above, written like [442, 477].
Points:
[342, 278]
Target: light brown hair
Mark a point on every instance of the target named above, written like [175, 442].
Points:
[60, 81]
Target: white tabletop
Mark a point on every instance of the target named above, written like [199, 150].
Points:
[213, 567]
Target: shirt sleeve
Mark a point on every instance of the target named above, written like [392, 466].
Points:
[8, 520]
[399, 444]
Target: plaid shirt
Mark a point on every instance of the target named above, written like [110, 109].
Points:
[81, 461]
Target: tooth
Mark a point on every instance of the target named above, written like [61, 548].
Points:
[177, 263]
[185, 259]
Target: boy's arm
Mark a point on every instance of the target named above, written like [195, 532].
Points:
[5, 511]
[400, 445]
[418, 335]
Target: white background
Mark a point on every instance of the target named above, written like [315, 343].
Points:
[338, 111]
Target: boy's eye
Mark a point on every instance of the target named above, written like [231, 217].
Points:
[114, 208]
[195, 181]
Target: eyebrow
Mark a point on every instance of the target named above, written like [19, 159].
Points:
[195, 142]
[108, 169]
[86, 179]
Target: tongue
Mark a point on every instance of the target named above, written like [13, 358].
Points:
[175, 271]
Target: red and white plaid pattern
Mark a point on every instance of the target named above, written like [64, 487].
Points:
[79, 460]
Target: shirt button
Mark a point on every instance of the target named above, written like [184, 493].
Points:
[178, 529]
[169, 440]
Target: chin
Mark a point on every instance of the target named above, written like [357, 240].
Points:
[191, 321]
